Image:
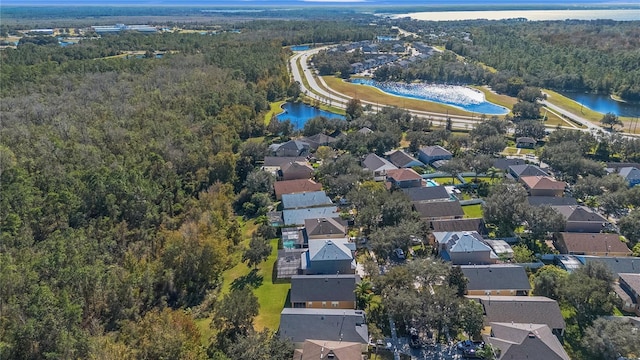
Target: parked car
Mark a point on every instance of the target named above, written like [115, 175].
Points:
[469, 348]
[399, 254]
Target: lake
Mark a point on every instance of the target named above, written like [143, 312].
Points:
[299, 113]
[461, 97]
[604, 104]
[532, 15]
[300, 48]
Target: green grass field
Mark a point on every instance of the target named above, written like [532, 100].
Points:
[472, 211]
[275, 108]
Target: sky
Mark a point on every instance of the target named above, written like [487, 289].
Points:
[242, 3]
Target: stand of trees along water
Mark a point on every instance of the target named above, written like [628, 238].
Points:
[118, 178]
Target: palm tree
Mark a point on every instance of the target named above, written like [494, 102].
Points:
[364, 294]
[493, 173]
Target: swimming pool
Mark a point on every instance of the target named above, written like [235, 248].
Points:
[431, 183]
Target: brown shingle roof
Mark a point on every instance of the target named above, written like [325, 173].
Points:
[542, 183]
[589, 243]
[522, 309]
[295, 186]
[403, 175]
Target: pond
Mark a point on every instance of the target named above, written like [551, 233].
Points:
[300, 48]
[299, 113]
[604, 104]
[461, 97]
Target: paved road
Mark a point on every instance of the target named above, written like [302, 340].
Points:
[324, 94]
[319, 90]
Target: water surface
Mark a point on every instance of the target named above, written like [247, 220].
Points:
[533, 15]
[299, 113]
[604, 104]
[461, 97]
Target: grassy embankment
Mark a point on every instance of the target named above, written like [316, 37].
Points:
[271, 297]
[275, 108]
[580, 110]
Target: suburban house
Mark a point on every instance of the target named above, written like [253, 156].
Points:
[464, 248]
[404, 178]
[273, 164]
[318, 140]
[596, 244]
[581, 219]
[542, 186]
[458, 225]
[515, 341]
[365, 130]
[504, 163]
[429, 154]
[330, 256]
[617, 265]
[299, 325]
[551, 200]
[290, 148]
[325, 228]
[628, 289]
[330, 350]
[517, 171]
[498, 279]
[526, 142]
[296, 217]
[295, 187]
[401, 159]
[295, 170]
[377, 166]
[439, 210]
[631, 175]
[427, 194]
[523, 309]
[305, 200]
[324, 291]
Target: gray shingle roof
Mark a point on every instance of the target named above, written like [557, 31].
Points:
[522, 309]
[281, 160]
[400, 158]
[429, 193]
[374, 162]
[630, 173]
[305, 200]
[298, 216]
[323, 324]
[579, 213]
[323, 287]
[458, 225]
[462, 242]
[438, 209]
[325, 226]
[435, 150]
[617, 265]
[496, 277]
[527, 170]
[525, 341]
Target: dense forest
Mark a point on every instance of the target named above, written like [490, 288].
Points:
[118, 177]
[597, 56]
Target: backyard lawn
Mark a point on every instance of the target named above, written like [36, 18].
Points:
[472, 211]
[271, 297]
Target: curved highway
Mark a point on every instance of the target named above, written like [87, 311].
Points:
[325, 94]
